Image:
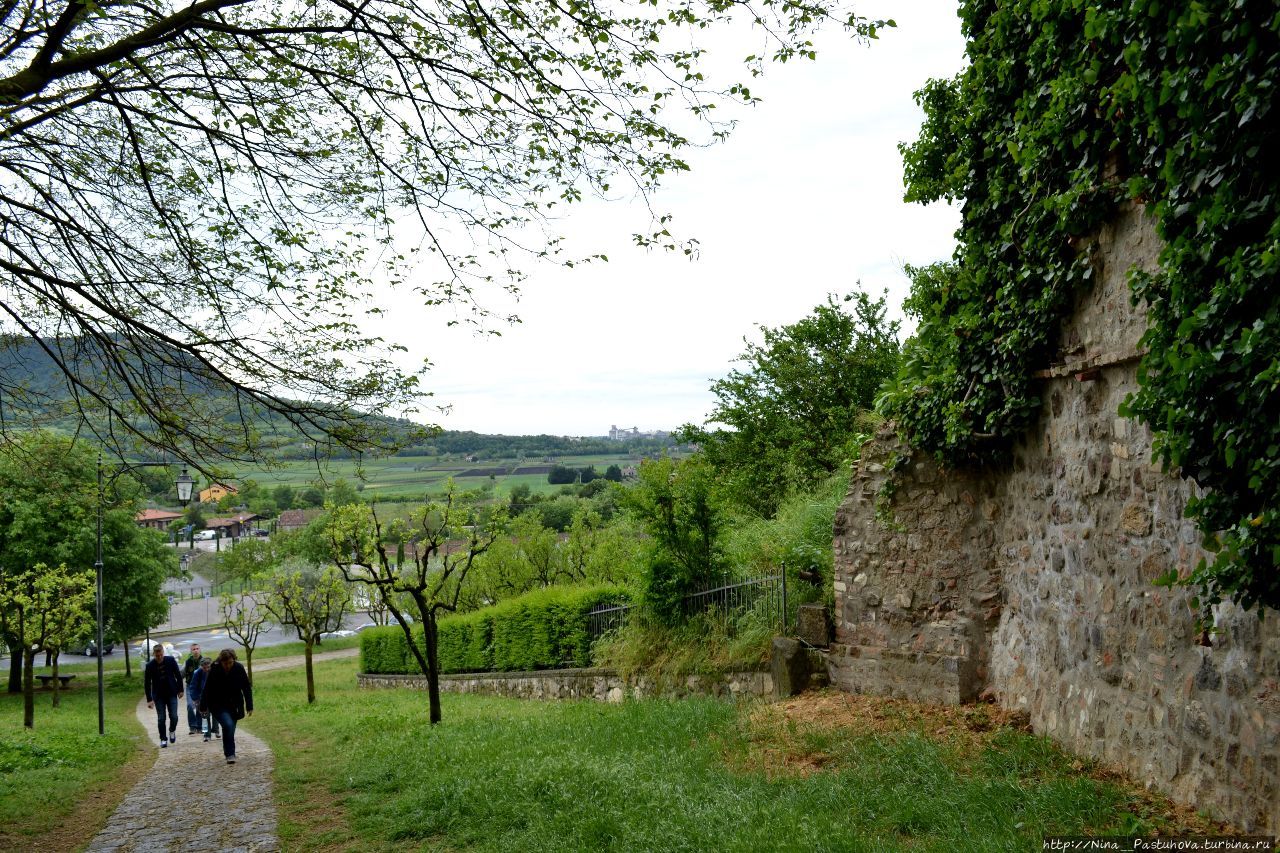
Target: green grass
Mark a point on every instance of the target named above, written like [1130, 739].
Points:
[363, 770]
[79, 666]
[48, 773]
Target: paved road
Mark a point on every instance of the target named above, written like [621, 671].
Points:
[210, 640]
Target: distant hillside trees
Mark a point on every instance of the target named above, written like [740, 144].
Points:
[563, 475]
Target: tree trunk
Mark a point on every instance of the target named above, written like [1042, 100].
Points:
[29, 689]
[128, 666]
[57, 683]
[311, 679]
[15, 666]
[248, 663]
[433, 667]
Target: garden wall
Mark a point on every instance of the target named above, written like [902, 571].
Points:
[603, 685]
[1032, 584]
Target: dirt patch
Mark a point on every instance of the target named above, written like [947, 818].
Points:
[786, 730]
[803, 735]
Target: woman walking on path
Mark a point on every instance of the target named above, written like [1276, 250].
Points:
[195, 689]
[228, 696]
[162, 682]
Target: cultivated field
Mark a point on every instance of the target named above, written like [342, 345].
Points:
[402, 477]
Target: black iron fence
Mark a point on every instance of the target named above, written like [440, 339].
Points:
[604, 618]
[765, 595]
[213, 591]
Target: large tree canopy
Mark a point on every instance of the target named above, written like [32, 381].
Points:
[797, 410]
[48, 514]
[204, 194]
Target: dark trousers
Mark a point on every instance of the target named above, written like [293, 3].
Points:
[228, 724]
[167, 706]
[193, 718]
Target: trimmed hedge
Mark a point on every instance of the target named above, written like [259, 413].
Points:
[544, 629]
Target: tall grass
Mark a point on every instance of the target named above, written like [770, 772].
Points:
[798, 536]
[502, 774]
[707, 643]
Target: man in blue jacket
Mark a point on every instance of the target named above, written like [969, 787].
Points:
[195, 689]
[162, 681]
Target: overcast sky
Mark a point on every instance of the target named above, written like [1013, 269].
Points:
[804, 199]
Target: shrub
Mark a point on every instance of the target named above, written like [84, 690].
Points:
[544, 629]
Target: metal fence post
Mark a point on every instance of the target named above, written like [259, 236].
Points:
[784, 598]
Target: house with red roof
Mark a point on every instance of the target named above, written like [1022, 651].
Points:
[156, 519]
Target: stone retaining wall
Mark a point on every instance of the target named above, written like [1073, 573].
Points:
[603, 685]
[1032, 583]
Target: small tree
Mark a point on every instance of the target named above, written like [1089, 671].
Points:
[429, 567]
[243, 618]
[675, 503]
[309, 599]
[45, 608]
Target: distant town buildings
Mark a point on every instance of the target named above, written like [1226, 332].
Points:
[217, 492]
[156, 519]
[623, 434]
[234, 527]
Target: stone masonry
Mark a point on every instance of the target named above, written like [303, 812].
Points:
[1031, 584]
[600, 684]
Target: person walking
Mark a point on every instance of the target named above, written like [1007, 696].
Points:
[162, 682]
[189, 669]
[195, 690]
[227, 695]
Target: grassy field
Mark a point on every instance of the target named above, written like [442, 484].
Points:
[415, 476]
[63, 774]
[362, 770]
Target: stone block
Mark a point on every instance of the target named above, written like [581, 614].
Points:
[789, 666]
[1136, 520]
[813, 625]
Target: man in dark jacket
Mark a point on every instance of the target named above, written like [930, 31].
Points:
[228, 696]
[162, 681]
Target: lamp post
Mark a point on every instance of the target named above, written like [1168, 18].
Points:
[184, 484]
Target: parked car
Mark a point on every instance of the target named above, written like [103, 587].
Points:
[206, 534]
[261, 533]
[90, 648]
[333, 635]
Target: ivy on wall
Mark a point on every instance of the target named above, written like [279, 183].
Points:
[1067, 109]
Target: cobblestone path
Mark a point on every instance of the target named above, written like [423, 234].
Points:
[240, 814]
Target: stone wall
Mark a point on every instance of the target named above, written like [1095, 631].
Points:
[603, 685]
[1032, 584]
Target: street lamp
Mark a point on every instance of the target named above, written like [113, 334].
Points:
[184, 484]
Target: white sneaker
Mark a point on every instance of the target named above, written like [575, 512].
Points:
[231, 760]
[163, 743]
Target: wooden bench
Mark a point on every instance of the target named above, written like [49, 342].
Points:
[46, 680]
